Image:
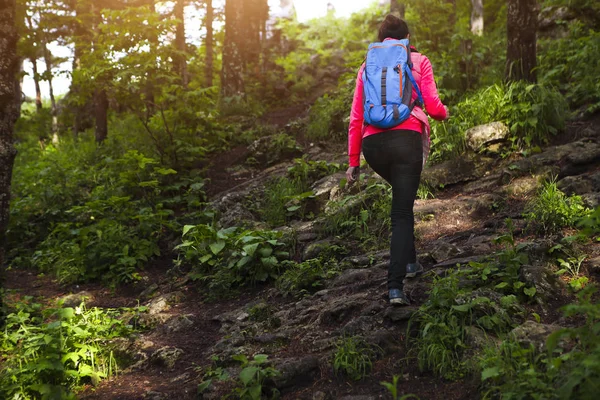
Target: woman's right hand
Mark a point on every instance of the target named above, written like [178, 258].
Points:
[352, 174]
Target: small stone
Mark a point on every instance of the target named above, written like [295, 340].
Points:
[351, 276]
[319, 396]
[166, 357]
[149, 291]
[243, 316]
[295, 371]
[75, 299]
[443, 251]
[178, 323]
[163, 303]
[397, 314]
[152, 395]
[181, 378]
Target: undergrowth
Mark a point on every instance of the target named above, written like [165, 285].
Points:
[551, 210]
[49, 353]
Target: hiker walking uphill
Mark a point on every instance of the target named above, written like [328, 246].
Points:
[394, 87]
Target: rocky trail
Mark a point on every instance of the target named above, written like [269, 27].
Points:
[191, 336]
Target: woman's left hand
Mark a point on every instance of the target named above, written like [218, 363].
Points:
[352, 174]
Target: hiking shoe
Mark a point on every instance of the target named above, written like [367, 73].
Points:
[414, 269]
[397, 297]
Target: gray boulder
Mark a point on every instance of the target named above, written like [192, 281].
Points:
[480, 136]
[534, 334]
[295, 371]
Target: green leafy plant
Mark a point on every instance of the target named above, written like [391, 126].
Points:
[253, 376]
[354, 357]
[569, 368]
[232, 257]
[304, 278]
[570, 266]
[393, 389]
[552, 210]
[49, 353]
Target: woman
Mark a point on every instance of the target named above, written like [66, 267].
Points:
[397, 155]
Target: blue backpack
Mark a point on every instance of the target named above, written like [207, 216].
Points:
[388, 83]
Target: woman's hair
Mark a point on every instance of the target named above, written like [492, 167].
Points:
[393, 27]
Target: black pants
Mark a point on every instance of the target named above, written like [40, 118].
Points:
[397, 156]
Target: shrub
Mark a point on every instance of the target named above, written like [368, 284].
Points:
[354, 357]
[49, 353]
[283, 199]
[569, 369]
[329, 116]
[552, 210]
[306, 277]
[532, 112]
[571, 65]
[253, 376]
[229, 258]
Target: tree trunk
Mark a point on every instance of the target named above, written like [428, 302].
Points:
[477, 17]
[48, 60]
[521, 27]
[81, 35]
[180, 61]
[232, 81]
[101, 110]
[209, 44]
[33, 59]
[397, 7]
[36, 81]
[9, 66]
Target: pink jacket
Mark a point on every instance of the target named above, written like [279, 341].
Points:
[418, 121]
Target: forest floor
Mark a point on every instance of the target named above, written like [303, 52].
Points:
[456, 226]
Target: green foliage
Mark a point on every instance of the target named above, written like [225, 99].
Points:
[569, 262]
[466, 298]
[590, 224]
[284, 199]
[364, 215]
[552, 210]
[514, 372]
[311, 171]
[354, 357]
[50, 352]
[287, 198]
[306, 277]
[570, 64]
[393, 389]
[329, 115]
[86, 212]
[532, 112]
[232, 257]
[323, 49]
[569, 368]
[253, 375]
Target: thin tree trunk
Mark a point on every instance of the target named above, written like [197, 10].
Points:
[48, 60]
[521, 30]
[101, 110]
[81, 34]
[209, 44]
[9, 66]
[181, 62]
[36, 75]
[232, 81]
[36, 81]
[397, 7]
[477, 17]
